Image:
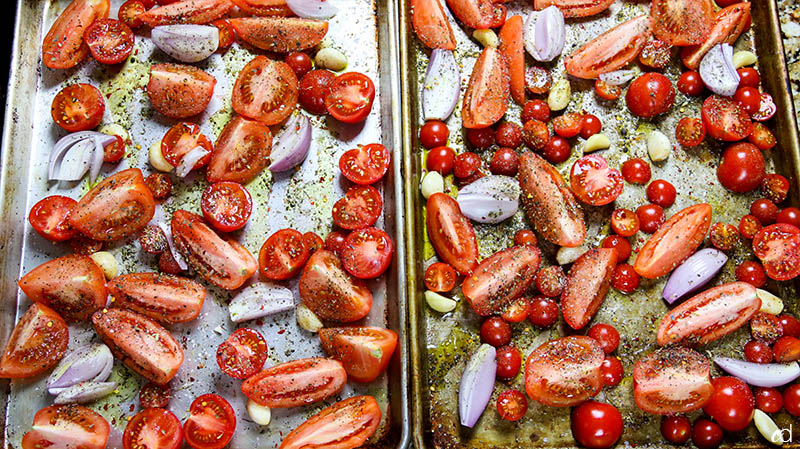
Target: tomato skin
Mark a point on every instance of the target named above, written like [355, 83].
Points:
[732, 405]
[160, 184]
[265, 90]
[557, 150]
[505, 161]
[360, 208]
[588, 282]
[674, 241]
[768, 400]
[512, 48]
[332, 293]
[478, 14]
[543, 312]
[63, 47]
[283, 255]
[140, 343]
[706, 434]
[787, 349]
[789, 215]
[365, 352]
[215, 412]
[346, 424]
[508, 135]
[778, 248]
[431, 25]
[153, 425]
[729, 23]
[179, 91]
[590, 125]
[611, 50]
[661, 192]
[226, 205]
[650, 95]
[334, 241]
[81, 426]
[636, 171]
[535, 134]
[451, 233]
[594, 182]
[264, 8]
[550, 281]
[672, 380]
[50, 218]
[725, 119]
[295, 383]
[565, 371]
[280, 34]
[164, 298]
[110, 41]
[606, 335]
[791, 399]
[751, 272]
[790, 325]
[525, 237]
[742, 168]
[625, 279]
[596, 425]
[535, 109]
[512, 405]
[501, 278]
[710, 315]
[241, 151]
[38, 341]
[433, 134]
[300, 62]
[765, 211]
[509, 361]
[440, 159]
[690, 83]
[758, 352]
[575, 8]
[676, 429]
[651, 217]
[496, 332]
[367, 253]
[612, 371]
[197, 12]
[486, 98]
[350, 97]
[365, 165]
[682, 23]
[313, 89]
[766, 327]
[607, 91]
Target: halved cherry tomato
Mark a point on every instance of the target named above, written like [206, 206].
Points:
[344, 425]
[195, 11]
[241, 151]
[69, 426]
[295, 383]
[655, 54]
[537, 81]
[312, 241]
[766, 108]
[742, 167]
[672, 380]
[226, 205]
[710, 315]
[486, 99]
[153, 427]
[512, 405]
[725, 119]
[73, 285]
[431, 25]
[110, 41]
[264, 7]
[160, 184]
[762, 137]
[365, 165]
[63, 46]
[588, 282]
[501, 278]
[607, 91]
[130, 13]
[350, 97]
[330, 292]
[49, 218]
[682, 22]
[575, 8]
[114, 151]
[594, 182]
[365, 352]
[778, 248]
[565, 371]
[440, 277]
[624, 222]
[478, 14]
[265, 90]
[162, 297]
[511, 46]
[210, 424]
[243, 353]
[787, 349]
[38, 341]
[649, 95]
[729, 23]
[451, 233]
[674, 241]
[153, 395]
[361, 207]
[518, 311]
[367, 253]
[180, 91]
[225, 263]
[690, 131]
[142, 344]
[227, 35]
[283, 255]
[280, 34]
[724, 237]
[78, 107]
[182, 138]
[611, 50]
[567, 125]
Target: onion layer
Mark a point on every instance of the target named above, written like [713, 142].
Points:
[618, 77]
[760, 374]
[477, 384]
[85, 363]
[545, 34]
[85, 392]
[172, 250]
[189, 160]
[718, 72]
[693, 273]
[291, 144]
[260, 300]
[76, 154]
[490, 199]
[442, 85]
[186, 42]
[313, 9]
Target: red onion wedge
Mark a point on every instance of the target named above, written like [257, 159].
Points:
[313, 9]
[545, 34]
[718, 72]
[172, 250]
[189, 160]
[442, 85]
[291, 144]
[186, 42]
[490, 199]
[477, 384]
[760, 374]
[618, 77]
[260, 300]
[76, 154]
[693, 273]
[85, 363]
[85, 392]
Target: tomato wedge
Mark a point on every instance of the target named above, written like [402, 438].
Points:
[682, 22]
[478, 14]
[179, 91]
[594, 182]
[611, 50]
[350, 97]
[431, 25]
[729, 24]
[365, 352]
[486, 99]
[110, 41]
[501, 278]
[575, 8]
[346, 424]
[63, 46]
[365, 165]
[725, 119]
[332, 293]
[710, 315]
[210, 424]
[241, 151]
[280, 34]
[265, 90]
[50, 218]
[672, 380]
[296, 383]
[451, 233]
[67, 426]
[565, 371]
[242, 354]
[512, 47]
[78, 107]
[186, 11]
[141, 343]
[283, 255]
[587, 285]
[73, 285]
[674, 241]
[548, 203]
[264, 7]
[38, 341]
[778, 248]
[182, 138]
[361, 207]
[162, 297]
[116, 208]
[153, 428]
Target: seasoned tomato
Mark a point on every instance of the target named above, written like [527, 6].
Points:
[672, 380]
[38, 341]
[78, 107]
[162, 297]
[594, 182]
[224, 263]
[63, 47]
[440, 277]
[367, 253]
[575, 8]
[565, 371]
[567, 125]
[350, 97]
[624, 222]
[312, 241]
[182, 138]
[729, 23]
[179, 91]
[227, 35]
[365, 352]
[710, 315]
[160, 184]
[360, 207]
[280, 34]
[742, 167]
[114, 151]
[264, 7]
[690, 131]
[265, 90]
[153, 395]
[501, 278]
[226, 205]
[241, 151]
[296, 383]
[73, 285]
[365, 165]
[682, 22]
[153, 427]
[512, 47]
[314, 88]
[330, 292]
[655, 54]
[431, 25]
[778, 248]
[195, 11]
[283, 255]
[243, 354]
[486, 99]
[762, 137]
[346, 424]
[451, 233]
[478, 14]
[53, 426]
[49, 218]
[140, 343]
[210, 424]
[588, 282]
[649, 95]
[512, 405]
[110, 41]
[611, 50]
[725, 119]
[130, 13]
[674, 241]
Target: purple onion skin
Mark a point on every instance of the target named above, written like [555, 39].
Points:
[297, 154]
[693, 273]
[477, 384]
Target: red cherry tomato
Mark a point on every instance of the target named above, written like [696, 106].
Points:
[535, 134]
[791, 399]
[624, 222]
[512, 405]
[731, 405]
[365, 165]
[360, 207]
[676, 429]
[649, 95]
[651, 217]
[367, 253]
[130, 11]
[751, 272]
[49, 218]
[690, 131]
[153, 395]
[742, 167]
[227, 35]
[350, 97]
[299, 62]
[466, 164]
[495, 332]
[790, 325]
[434, 133]
[153, 426]
[543, 312]
[110, 41]
[480, 138]
[775, 187]
[594, 182]
[567, 125]
[625, 278]
[535, 110]
[620, 244]
[210, 424]
[787, 349]
[612, 371]
[749, 226]
[790, 215]
[725, 119]
[768, 400]
[242, 354]
[778, 247]
[441, 159]
[706, 434]
[508, 135]
[440, 277]
[596, 425]
[765, 211]
[226, 205]
[78, 107]
[748, 76]
[606, 335]
[335, 241]
[114, 151]
[160, 184]
[724, 237]
[749, 98]
[590, 125]
[282, 255]
[504, 162]
[766, 109]
[766, 327]
[509, 361]
[661, 192]
[537, 81]
[313, 89]
[607, 91]
[690, 83]
[525, 237]
[758, 352]
[557, 150]
[550, 281]
[636, 171]
[313, 241]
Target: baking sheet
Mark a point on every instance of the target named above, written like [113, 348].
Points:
[365, 30]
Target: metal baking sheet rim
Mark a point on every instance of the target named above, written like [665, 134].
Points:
[17, 137]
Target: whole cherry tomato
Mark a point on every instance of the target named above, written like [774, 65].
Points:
[676, 429]
[690, 83]
[749, 98]
[636, 171]
[765, 210]
[748, 76]
[661, 192]
[504, 162]
[466, 165]
[441, 159]
[590, 125]
[651, 217]
[508, 134]
[791, 399]
[557, 150]
[625, 278]
[525, 237]
[768, 400]
[612, 371]
[790, 325]
[756, 351]
[649, 95]
[596, 425]
[543, 312]
[742, 167]
[606, 335]
[509, 360]
[790, 215]
[495, 332]
[732, 403]
[620, 244]
[300, 63]
[481, 138]
[434, 133]
[751, 272]
[535, 109]
[706, 434]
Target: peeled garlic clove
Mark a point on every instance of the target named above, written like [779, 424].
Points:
[767, 428]
[439, 303]
[156, 158]
[431, 183]
[744, 58]
[658, 146]
[307, 319]
[486, 37]
[260, 414]
[769, 303]
[112, 129]
[596, 142]
[559, 96]
[107, 262]
[331, 59]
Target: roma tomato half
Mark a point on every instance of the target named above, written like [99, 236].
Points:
[162, 297]
[331, 292]
[82, 427]
[501, 278]
[672, 380]
[486, 99]
[63, 47]
[611, 50]
[195, 11]
[37, 343]
[265, 90]
[241, 152]
[575, 8]
[451, 233]
[565, 371]
[431, 25]
[296, 383]
[179, 91]
[587, 285]
[345, 424]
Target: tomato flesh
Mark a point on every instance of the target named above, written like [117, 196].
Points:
[594, 182]
[725, 119]
[350, 97]
[181, 139]
[265, 90]
[778, 248]
[38, 341]
[486, 99]
[81, 427]
[345, 424]
[49, 218]
[331, 292]
[611, 50]
[210, 424]
[110, 41]
[365, 352]
[280, 34]
[587, 285]
[365, 165]
[501, 278]
[431, 25]
[451, 233]
[63, 47]
[162, 297]
[283, 255]
[367, 253]
[241, 151]
[682, 22]
[78, 107]
[565, 371]
[295, 383]
[195, 11]
[179, 91]
[672, 380]
[361, 207]
[226, 205]
[153, 427]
